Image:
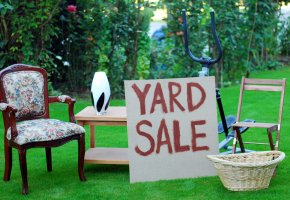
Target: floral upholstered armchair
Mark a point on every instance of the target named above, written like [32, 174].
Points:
[24, 103]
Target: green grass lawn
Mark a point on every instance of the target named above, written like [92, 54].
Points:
[112, 181]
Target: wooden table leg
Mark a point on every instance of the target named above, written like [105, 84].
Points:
[92, 136]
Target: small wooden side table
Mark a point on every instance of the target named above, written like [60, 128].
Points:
[115, 116]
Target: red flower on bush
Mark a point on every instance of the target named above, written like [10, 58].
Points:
[71, 8]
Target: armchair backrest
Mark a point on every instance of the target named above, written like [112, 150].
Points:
[25, 88]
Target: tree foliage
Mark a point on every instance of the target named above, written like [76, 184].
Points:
[248, 31]
[26, 30]
[108, 36]
[111, 36]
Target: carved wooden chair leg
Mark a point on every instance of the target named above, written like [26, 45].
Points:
[8, 162]
[48, 159]
[81, 156]
[23, 168]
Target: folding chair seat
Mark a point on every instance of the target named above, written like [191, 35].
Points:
[224, 144]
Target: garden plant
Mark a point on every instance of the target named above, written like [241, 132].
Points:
[74, 39]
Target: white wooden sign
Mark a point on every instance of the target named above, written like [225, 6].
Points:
[172, 126]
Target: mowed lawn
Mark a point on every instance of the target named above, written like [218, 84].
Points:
[112, 181]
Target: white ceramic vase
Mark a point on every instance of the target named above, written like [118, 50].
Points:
[100, 92]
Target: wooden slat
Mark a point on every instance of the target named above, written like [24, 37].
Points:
[264, 81]
[114, 113]
[255, 125]
[240, 99]
[100, 155]
[104, 123]
[259, 143]
[263, 88]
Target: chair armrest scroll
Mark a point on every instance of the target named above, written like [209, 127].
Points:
[9, 113]
[68, 100]
[7, 107]
[61, 99]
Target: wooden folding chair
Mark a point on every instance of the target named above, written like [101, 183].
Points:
[260, 85]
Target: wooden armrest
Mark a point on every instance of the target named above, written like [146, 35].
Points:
[65, 99]
[61, 99]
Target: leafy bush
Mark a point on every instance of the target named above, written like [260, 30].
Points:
[73, 41]
[108, 36]
[248, 31]
[26, 32]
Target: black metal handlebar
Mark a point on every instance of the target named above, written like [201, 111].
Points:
[206, 62]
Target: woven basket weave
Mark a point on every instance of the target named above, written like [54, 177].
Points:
[247, 171]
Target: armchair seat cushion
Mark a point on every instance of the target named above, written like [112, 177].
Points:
[44, 130]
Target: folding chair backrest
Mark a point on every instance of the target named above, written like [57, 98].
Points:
[272, 85]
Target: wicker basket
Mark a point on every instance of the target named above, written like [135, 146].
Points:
[247, 171]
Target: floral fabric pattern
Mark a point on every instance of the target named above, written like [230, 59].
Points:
[44, 130]
[24, 91]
